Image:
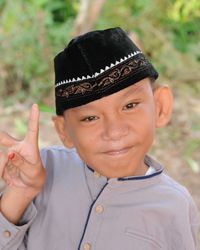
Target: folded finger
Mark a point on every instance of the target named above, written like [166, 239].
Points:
[17, 161]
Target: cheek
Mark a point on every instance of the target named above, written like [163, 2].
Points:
[86, 146]
[84, 139]
[150, 112]
[146, 126]
[150, 126]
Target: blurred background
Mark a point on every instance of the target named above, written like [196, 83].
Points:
[32, 32]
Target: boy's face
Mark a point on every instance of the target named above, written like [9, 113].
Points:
[113, 134]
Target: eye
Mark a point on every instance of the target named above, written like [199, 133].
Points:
[89, 118]
[130, 105]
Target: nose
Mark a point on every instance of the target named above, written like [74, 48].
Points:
[115, 128]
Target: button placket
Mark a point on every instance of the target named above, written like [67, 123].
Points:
[94, 222]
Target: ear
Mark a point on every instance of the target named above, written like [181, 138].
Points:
[164, 102]
[60, 126]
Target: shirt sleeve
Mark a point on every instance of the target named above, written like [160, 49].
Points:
[12, 237]
[195, 221]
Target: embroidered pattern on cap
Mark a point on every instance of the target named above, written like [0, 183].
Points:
[105, 80]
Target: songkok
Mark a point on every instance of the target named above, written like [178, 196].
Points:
[97, 64]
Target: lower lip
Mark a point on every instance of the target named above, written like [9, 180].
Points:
[118, 153]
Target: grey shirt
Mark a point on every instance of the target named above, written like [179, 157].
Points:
[79, 209]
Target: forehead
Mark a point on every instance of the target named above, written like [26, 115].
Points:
[141, 87]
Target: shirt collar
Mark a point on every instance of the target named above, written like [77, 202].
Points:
[96, 181]
[156, 168]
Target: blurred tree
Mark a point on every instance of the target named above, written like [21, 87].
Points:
[89, 11]
[32, 32]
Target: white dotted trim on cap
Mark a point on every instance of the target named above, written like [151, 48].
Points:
[97, 73]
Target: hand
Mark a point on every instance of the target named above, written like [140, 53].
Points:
[22, 170]
[21, 166]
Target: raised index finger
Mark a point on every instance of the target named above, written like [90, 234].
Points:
[33, 124]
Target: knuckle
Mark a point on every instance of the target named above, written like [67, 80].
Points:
[36, 171]
[33, 175]
[18, 161]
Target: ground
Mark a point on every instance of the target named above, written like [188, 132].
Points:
[177, 146]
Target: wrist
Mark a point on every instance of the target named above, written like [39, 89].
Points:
[14, 202]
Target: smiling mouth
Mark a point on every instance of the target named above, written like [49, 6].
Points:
[117, 152]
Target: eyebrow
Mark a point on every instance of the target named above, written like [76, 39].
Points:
[135, 89]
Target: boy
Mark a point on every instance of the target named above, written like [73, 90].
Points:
[101, 191]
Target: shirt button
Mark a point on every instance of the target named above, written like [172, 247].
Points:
[99, 209]
[6, 234]
[96, 174]
[86, 246]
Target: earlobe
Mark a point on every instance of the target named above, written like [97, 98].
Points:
[164, 103]
[59, 124]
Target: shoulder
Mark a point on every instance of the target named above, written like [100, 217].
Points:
[177, 192]
[174, 186]
[56, 150]
[63, 166]
[183, 199]
[59, 159]
[58, 154]
[167, 184]
[169, 187]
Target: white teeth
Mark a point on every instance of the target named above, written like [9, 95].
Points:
[101, 71]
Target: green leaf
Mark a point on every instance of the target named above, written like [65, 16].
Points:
[193, 165]
[45, 108]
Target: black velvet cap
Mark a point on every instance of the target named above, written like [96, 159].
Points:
[97, 64]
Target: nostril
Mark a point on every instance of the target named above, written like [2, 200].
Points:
[115, 133]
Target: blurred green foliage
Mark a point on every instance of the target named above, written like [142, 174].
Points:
[33, 31]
